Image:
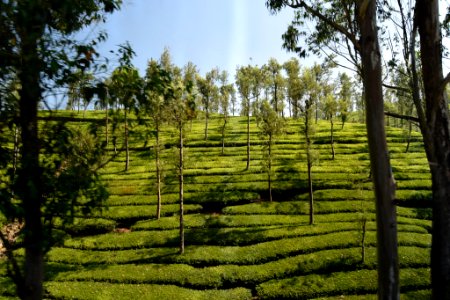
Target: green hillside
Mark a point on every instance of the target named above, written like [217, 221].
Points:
[238, 244]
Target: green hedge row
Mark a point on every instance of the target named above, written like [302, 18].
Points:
[339, 283]
[325, 261]
[101, 290]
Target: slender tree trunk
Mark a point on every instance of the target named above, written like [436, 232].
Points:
[248, 137]
[269, 179]
[158, 172]
[16, 150]
[180, 180]
[409, 136]
[127, 152]
[223, 134]
[437, 142]
[309, 162]
[106, 126]
[29, 175]
[382, 177]
[206, 122]
[363, 240]
[332, 137]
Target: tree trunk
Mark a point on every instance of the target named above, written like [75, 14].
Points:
[332, 138]
[127, 152]
[206, 122]
[269, 179]
[180, 180]
[248, 137]
[16, 150]
[382, 177]
[437, 142]
[107, 124]
[309, 162]
[158, 172]
[29, 175]
[409, 136]
[363, 240]
[223, 135]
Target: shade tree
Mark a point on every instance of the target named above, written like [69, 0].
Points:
[244, 87]
[39, 50]
[125, 88]
[271, 126]
[227, 92]
[209, 93]
[352, 27]
[180, 109]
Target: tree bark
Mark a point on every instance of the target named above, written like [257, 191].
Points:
[437, 142]
[29, 175]
[384, 185]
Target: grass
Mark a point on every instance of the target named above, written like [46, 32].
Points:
[238, 245]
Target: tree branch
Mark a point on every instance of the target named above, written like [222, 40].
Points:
[397, 88]
[446, 80]
[403, 117]
[323, 18]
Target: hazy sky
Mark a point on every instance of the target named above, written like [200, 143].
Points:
[210, 33]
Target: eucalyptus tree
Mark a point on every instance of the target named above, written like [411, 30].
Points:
[126, 87]
[244, 86]
[310, 83]
[344, 97]
[157, 94]
[37, 48]
[330, 109]
[294, 90]
[350, 27]
[226, 93]
[270, 125]
[209, 93]
[276, 84]
[180, 109]
[435, 127]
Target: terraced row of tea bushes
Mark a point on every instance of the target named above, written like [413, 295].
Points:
[239, 245]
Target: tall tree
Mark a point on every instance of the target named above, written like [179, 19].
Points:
[181, 108]
[126, 87]
[344, 94]
[310, 82]
[293, 85]
[243, 82]
[435, 126]
[37, 46]
[209, 93]
[353, 25]
[276, 84]
[157, 93]
[226, 93]
[330, 109]
[270, 125]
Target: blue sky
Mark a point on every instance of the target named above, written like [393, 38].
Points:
[210, 33]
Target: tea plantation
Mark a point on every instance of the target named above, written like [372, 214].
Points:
[238, 244]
